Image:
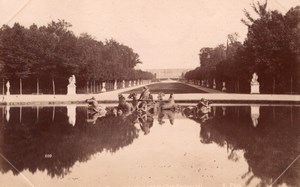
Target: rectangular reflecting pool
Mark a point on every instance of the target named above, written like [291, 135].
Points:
[230, 146]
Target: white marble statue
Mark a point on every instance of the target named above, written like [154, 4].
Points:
[224, 87]
[72, 86]
[214, 84]
[103, 87]
[254, 84]
[7, 88]
[254, 79]
[72, 80]
[115, 85]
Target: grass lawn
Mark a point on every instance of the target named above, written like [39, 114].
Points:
[168, 88]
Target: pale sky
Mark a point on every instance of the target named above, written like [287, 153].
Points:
[165, 33]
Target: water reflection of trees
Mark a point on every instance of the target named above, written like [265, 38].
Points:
[269, 147]
[26, 141]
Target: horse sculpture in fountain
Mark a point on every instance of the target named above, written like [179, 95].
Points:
[149, 106]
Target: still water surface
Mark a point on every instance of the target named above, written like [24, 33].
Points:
[231, 146]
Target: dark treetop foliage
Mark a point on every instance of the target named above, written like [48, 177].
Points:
[53, 51]
[271, 49]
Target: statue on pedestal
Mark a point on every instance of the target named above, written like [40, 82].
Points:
[214, 84]
[115, 85]
[224, 87]
[72, 86]
[103, 87]
[7, 88]
[254, 84]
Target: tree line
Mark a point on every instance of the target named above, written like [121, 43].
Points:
[271, 49]
[53, 53]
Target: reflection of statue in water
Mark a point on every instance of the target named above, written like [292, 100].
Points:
[203, 106]
[169, 104]
[255, 115]
[200, 112]
[232, 154]
[72, 80]
[205, 135]
[160, 118]
[203, 109]
[165, 105]
[170, 114]
[71, 113]
[7, 113]
[146, 122]
[92, 118]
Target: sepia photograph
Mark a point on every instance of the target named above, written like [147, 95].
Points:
[150, 93]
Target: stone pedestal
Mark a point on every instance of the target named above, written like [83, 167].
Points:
[129, 84]
[134, 83]
[254, 88]
[103, 87]
[202, 83]
[71, 90]
[123, 84]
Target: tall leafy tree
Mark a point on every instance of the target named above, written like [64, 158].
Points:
[268, 46]
[54, 52]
